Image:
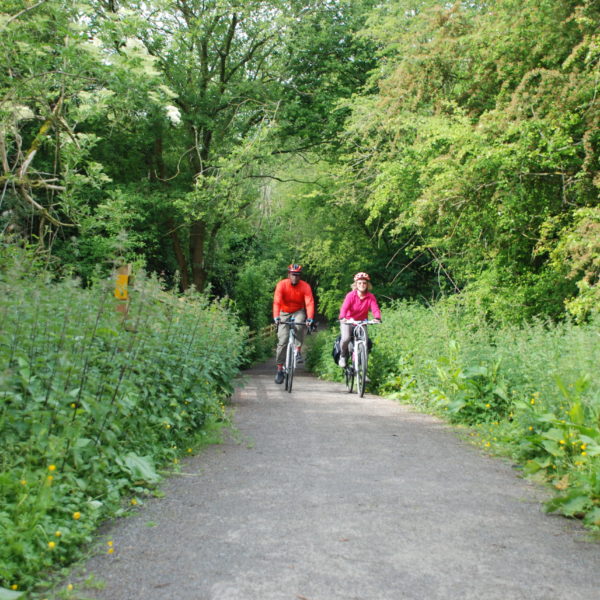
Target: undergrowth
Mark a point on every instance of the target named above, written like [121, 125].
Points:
[94, 407]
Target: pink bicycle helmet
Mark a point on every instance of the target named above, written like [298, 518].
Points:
[362, 275]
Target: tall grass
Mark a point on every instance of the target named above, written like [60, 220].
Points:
[531, 391]
[92, 407]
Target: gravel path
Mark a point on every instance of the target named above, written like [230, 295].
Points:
[321, 495]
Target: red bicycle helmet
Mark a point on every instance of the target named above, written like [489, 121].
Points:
[362, 275]
[294, 268]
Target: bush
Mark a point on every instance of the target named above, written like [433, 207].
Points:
[93, 405]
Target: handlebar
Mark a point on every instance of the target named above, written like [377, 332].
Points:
[311, 326]
[364, 322]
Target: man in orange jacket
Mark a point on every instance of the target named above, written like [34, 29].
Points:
[293, 299]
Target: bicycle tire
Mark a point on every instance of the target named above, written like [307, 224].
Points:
[349, 376]
[290, 363]
[361, 368]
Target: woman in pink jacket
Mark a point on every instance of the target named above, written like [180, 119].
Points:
[356, 306]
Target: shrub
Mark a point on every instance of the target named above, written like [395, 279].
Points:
[93, 406]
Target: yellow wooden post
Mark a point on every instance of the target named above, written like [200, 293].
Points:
[121, 292]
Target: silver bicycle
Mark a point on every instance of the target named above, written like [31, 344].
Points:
[290, 353]
[357, 367]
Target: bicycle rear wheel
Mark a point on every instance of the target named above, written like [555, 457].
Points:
[290, 363]
[349, 377]
[361, 368]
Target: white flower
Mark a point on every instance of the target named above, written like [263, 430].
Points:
[173, 114]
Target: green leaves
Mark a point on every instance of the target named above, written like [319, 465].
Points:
[140, 468]
[92, 410]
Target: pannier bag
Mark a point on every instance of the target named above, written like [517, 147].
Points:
[337, 349]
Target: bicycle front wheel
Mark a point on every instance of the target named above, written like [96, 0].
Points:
[361, 369]
[290, 363]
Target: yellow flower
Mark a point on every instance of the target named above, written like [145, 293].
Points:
[561, 442]
[58, 533]
[77, 515]
[189, 450]
[51, 545]
[111, 550]
[584, 454]
[533, 401]
[487, 405]
[109, 543]
[70, 587]
[50, 478]
[487, 444]
[133, 501]
[52, 468]
[14, 586]
[583, 446]
[73, 405]
[530, 428]
[23, 482]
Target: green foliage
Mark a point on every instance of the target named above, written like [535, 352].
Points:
[463, 151]
[93, 407]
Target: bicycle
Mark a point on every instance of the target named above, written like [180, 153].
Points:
[357, 368]
[290, 353]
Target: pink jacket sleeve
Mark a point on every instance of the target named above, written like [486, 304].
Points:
[345, 306]
[375, 307]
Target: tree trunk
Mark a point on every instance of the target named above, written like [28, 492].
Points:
[179, 256]
[197, 239]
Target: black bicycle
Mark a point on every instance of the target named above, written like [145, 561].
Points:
[357, 367]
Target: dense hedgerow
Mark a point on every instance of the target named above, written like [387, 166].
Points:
[530, 391]
[91, 406]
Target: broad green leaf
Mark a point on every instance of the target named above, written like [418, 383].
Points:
[9, 594]
[552, 447]
[141, 468]
[575, 505]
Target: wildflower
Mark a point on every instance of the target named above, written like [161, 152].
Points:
[51, 545]
[176, 461]
[14, 586]
[561, 442]
[133, 501]
[77, 515]
[583, 446]
[73, 405]
[109, 543]
[584, 453]
[533, 401]
[58, 533]
[70, 587]
[487, 405]
[110, 550]
[530, 428]
[189, 450]
[52, 468]
[487, 444]
[23, 482]
[50, 479]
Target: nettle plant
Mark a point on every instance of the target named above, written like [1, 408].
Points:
[93, 406]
